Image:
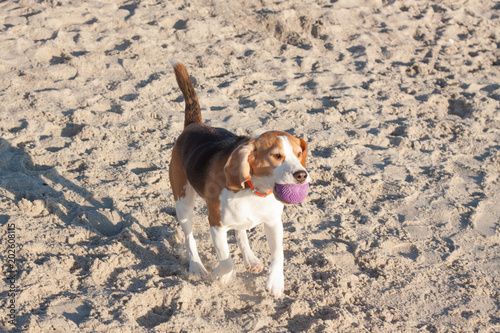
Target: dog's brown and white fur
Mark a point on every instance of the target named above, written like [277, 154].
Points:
[217, 165]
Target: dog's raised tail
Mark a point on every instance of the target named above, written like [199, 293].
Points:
[193, 111]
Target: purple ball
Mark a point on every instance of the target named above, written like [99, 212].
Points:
[291, 193]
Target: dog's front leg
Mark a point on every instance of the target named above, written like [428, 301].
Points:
[225, 268]
[275, 284]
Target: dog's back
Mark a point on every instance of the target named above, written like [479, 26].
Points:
[201, 147]
[200, 144]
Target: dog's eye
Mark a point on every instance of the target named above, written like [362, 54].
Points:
[299, 155]
[277, 156]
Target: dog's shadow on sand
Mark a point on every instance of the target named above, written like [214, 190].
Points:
[39, 190]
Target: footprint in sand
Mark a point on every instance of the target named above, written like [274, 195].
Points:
[487, 217]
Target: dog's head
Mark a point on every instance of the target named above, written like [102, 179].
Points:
[273, 158]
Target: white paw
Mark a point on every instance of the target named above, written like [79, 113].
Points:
[197, 269]
[224, 278]
[224, 270]
[275, 284]
[253, 264]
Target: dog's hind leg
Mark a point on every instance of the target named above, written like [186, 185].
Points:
[252, 263]
[184, 195]
[184, 208]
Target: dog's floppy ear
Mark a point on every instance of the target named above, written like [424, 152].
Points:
[303, 145]
[237, 169]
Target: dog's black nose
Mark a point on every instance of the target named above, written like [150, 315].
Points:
[300, 176]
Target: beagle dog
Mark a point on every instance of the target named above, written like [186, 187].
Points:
[236, 176]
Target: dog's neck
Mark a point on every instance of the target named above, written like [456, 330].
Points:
[256, 191]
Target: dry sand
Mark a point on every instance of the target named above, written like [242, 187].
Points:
[398, 101]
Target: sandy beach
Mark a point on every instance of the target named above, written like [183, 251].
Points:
[398, 101]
